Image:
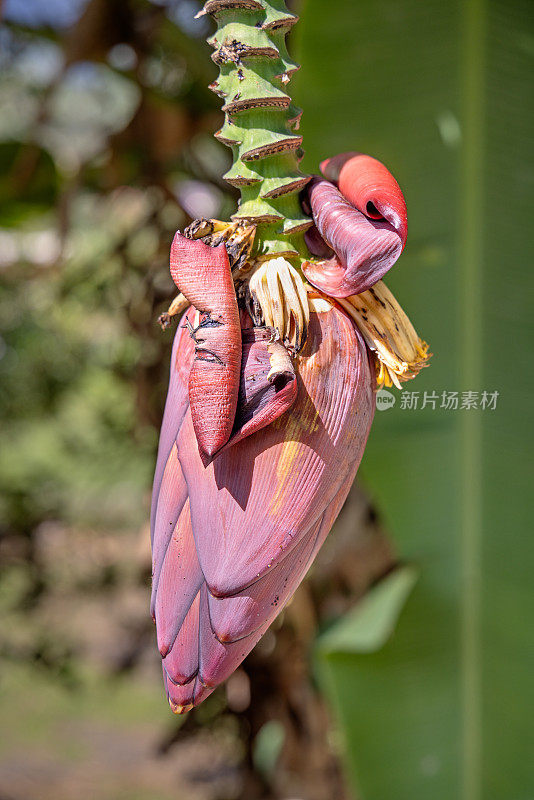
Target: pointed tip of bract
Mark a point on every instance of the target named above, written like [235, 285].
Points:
[184, 697]
[164, 649]
[209, 441]
[206, 458]
[176, 709]
[208, 450]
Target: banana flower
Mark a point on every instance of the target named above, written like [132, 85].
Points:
[257, 450]
[274, 365]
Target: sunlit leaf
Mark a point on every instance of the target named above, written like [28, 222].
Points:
[440, 92]
[369, 625]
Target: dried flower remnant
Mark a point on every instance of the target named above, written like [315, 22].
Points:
[281, 298]
[388, 333]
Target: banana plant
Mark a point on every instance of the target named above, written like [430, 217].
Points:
[287, 330]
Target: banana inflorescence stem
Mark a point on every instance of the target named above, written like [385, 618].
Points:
[264, 242]
[261, 123]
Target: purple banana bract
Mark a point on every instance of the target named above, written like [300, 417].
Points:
[260, 444]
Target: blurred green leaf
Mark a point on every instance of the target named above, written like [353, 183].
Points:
[441, 93]
[28, 182]
[267, 747]
[370, 624]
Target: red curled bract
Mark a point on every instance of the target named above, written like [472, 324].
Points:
[370, 187]
[268, 385]
[364, 222]
[203, 275]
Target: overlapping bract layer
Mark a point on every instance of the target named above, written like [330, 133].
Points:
[232, 541]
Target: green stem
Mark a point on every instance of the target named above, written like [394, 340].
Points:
[261, 121]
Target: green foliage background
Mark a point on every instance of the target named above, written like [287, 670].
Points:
[442, 93]
[106, 149]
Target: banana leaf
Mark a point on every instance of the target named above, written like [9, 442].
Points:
[440, 706]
